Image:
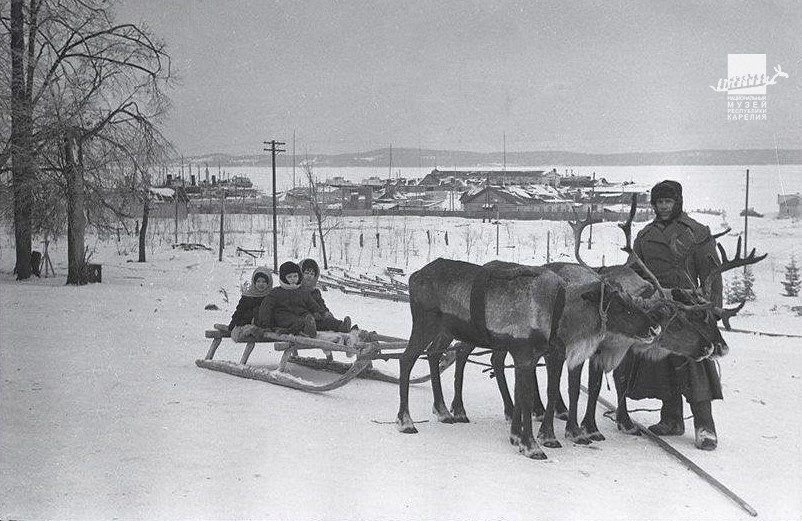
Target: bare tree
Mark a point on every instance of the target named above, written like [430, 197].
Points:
[318, 207]
[87, 99]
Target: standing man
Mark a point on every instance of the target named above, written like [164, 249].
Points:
[681, 253]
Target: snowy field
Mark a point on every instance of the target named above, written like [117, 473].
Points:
[104, 415]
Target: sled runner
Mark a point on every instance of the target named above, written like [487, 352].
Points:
[363, 352]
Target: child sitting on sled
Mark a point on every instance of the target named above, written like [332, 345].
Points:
[241, 325]
[324, 321]
[289, 308]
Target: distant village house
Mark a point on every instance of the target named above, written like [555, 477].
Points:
[789, 205]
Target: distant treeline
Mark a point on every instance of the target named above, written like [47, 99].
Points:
[413, 158]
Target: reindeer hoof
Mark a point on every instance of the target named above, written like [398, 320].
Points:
[579, 439]
[406, 426]
[595, 436]
[532, 453]
[443, 415]
[631, 429]
[461, 419]
[551, 443]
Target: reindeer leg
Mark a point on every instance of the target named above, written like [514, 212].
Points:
[419, 338]
[497, 359]
[622, 419]
[524, 366]
[589, 426]
[538, 407]
[560, 410]
[554, 369]
[572, 430]
[434, 354]
[457, 406]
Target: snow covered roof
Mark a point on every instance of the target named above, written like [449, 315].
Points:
[163, 192]
[523, 194]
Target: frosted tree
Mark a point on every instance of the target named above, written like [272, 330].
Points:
[792, 281]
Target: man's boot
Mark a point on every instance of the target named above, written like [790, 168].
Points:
[671, 421]
[706, 438]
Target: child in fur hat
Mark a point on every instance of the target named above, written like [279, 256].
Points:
[241, 325]
[324, 321]
[289, 308]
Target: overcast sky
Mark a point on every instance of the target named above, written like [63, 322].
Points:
[357, 75]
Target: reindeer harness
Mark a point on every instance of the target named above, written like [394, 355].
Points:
[478, 306]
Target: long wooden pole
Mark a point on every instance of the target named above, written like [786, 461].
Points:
[684, 460]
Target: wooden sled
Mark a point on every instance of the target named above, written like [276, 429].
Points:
[364, 353]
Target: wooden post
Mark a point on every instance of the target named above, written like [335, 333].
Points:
[548, 246]
[222, 219]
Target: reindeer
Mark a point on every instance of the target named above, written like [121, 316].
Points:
[623, 312]
[694, 339]
[516, 309]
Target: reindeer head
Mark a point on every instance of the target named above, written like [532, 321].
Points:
[621, 313]
[690, 329]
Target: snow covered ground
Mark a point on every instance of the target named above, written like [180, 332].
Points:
[103, 413]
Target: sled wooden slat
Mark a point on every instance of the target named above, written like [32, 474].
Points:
[281, 377]
[383, 348]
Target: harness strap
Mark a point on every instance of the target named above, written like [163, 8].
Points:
[478, 306]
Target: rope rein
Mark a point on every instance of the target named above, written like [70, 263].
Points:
[603, 312]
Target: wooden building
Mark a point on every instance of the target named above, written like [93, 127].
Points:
[789, 205]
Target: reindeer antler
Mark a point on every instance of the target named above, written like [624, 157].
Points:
[633, 257]
[577, 227]
[727, 313]
[721, 234]
[728, 264]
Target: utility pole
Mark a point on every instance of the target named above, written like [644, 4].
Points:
[592, 198]
[390, 168]
[293, 160]
[498, 224]
[275, 148]
[746, 215]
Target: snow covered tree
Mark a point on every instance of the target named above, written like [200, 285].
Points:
[87, 98]
[792, 281]
[741, 287]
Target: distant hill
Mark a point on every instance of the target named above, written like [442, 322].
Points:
[413, 157]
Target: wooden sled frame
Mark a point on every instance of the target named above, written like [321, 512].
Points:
[385, 348]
